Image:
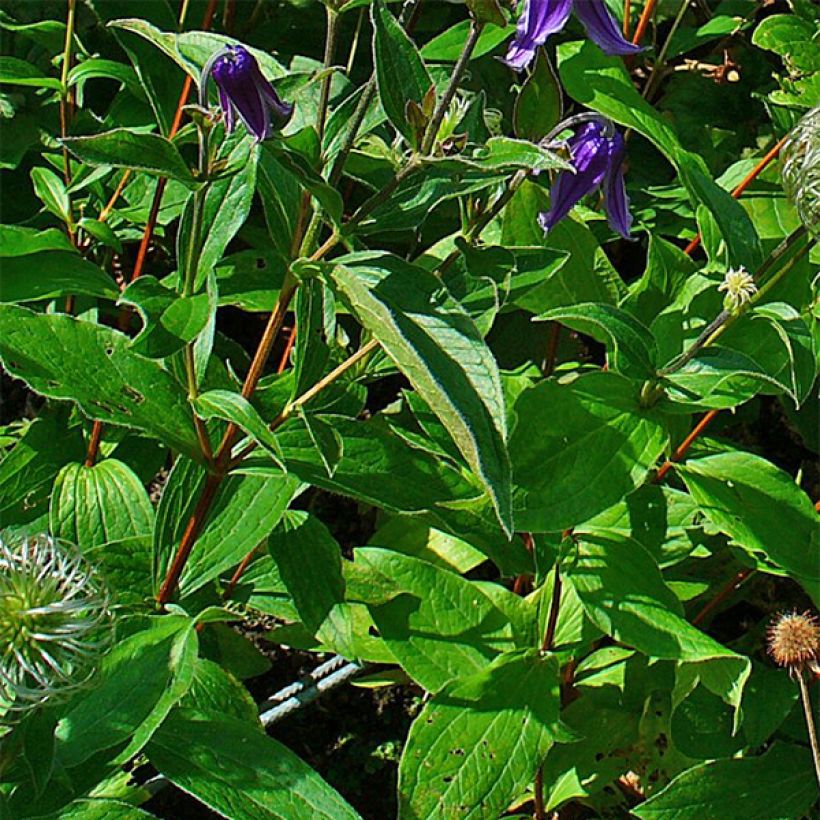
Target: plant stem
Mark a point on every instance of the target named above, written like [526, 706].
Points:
[661, 58]
[370, 205]
[806, 698]
[455, 78]
[643, 22]
[726, 318]
[355, 44]
[555, 606]
[330, 48]
[66, 96]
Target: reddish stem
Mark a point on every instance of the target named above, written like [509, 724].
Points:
[627, 15]
[643, 22]
[192, 530]
[283, 362]
[722, 594]
[684, 446]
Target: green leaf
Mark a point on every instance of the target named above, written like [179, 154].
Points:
[28, 470]
[50, 274]
[190, 50]
[603, 84]
[99, 809]
[437, 624]
[436, 345]
[122, 148]
[235, 408]
[538, 105]
[244, 511]
[633, 351]
[169, 320]
[593, 444]
[623, 593]
[299, 168]
[719, 377]
[14, 71]
[140, 681]
[51, 191]
[761, 508]
[479, 742]
[257, 778]
[227, 204]
[98, 371]
[400, 71]
[18, 241]
[310, 563]
[586, 276]
[773, 786]
[487, 11]
[446, 46]
[101, 232]
[93, 506]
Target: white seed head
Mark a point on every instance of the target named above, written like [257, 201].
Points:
[739, 286]
[801, 169]
[55, 621]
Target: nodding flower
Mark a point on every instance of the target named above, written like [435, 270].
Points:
[55, 621]
[541, 18]
[244, 92]
[597, 153]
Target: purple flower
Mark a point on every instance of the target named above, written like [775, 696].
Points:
[541, 18]
[597, 153]
[243, 90]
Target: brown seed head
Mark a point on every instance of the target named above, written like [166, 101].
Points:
[794, 639]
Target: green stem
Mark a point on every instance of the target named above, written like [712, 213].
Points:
[330, 49]
[367, 207]
[661, 60]
[726, 318]
[433, 127]
[806, 699]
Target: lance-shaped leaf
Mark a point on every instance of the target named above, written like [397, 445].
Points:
[66, 358]
[623, 593]
[49, 274]
[122, 148]
[235, 408]
[441, 351]
[761, 508]
[633, 350]
[400, 72]
[257, 778]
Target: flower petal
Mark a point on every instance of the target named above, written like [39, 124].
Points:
[602, 28]
[539, 19]
[227, 109]
[616, 203]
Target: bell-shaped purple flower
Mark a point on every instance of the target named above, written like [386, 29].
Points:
[244, 91]
[597, 153]
[541, 18]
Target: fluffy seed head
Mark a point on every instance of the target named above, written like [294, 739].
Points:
[55, 621]
[801, 169]
[794, 639]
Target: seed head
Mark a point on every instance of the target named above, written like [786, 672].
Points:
[55, 621]
[801, 169]
[739, 286]
[794, 639]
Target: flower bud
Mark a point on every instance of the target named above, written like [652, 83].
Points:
[55, 621]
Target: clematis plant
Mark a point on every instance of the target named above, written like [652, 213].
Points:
[541, 18]
[597, 153]
[244, 91]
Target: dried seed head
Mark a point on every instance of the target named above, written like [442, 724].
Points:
[801, 169]
[55, 621]
[794, 639]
